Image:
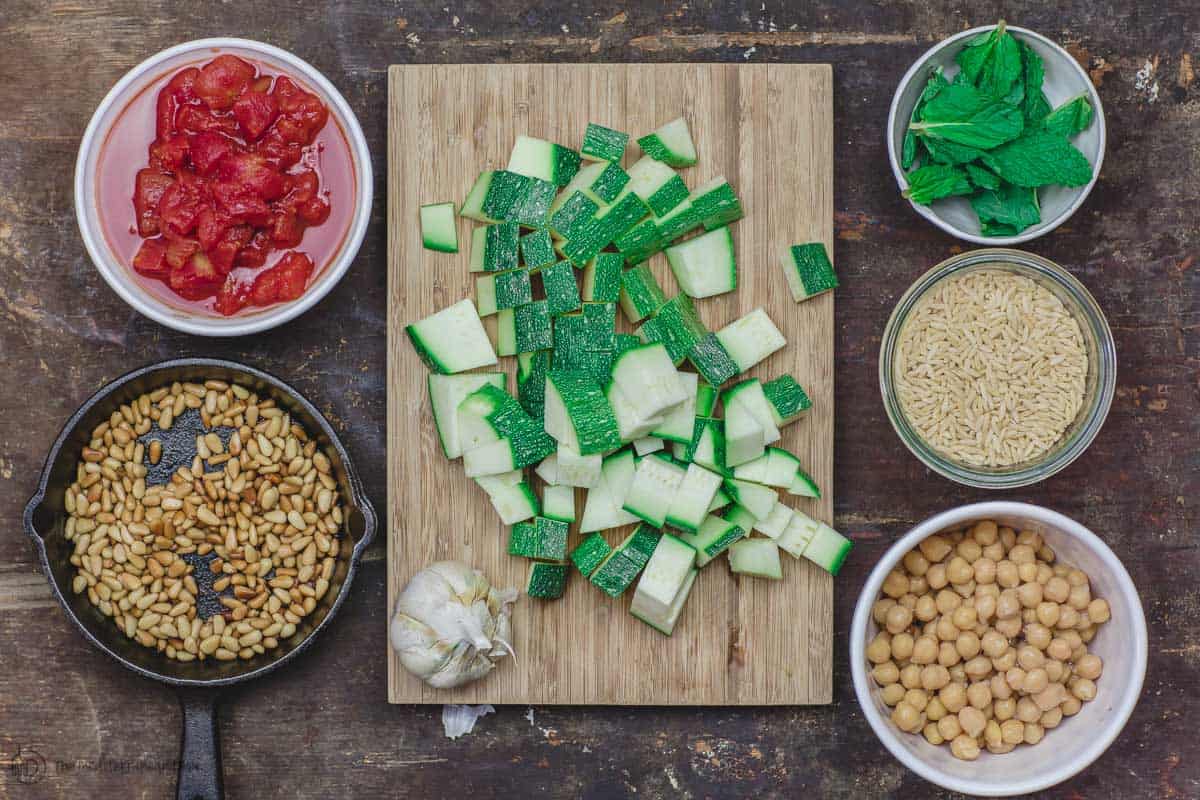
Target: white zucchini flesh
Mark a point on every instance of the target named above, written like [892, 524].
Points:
[671, 143]
[547, 470]
[757, 499]
[804, 485]
[751, 339]
[514, 502]
[743, 436]
[705, 266]
[776, 522]
[506, 332]
[827, 549]
[776, 467]
[577, 470]
[558, 503]
[678, 425]
[646, 176]
[617, 473]
[749, 395]
[664, 624]
[453, 340]
[556, 420]
[652, 490]
[799, 532]
[647, 445]
[445, 394]
[664, 576]
[494, 458]
[600, 512]
[692, 497]
[631, 425]
[740, 517]
[581, 182]
[757, 557]
[719, 501]
[438, 230]
[648, 379]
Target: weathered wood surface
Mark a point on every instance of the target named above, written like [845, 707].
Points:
[768, 131]
[322, 728]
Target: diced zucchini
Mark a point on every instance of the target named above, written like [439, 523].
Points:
[713, 537]
[664, 576]
[490, 414]
[653, 489]
[445, 393]
[749, 395]
[514, 502]
[828, 549]
[562, 292]
[750, 339]
[493, 196]
[531, 380]
[577, 470]
[678, 221]
[799, 532]
[743, 436]
[547, 470]
[607, 185]
[706, 399]
[740, 517]
[719, 501]
[573, 215]
[497, 290]
[578, 414]
[659, 186]
[532, 206]
[808, 269]
[602, 279]
[494, 247]
[804, 485]
[640, 545]
[665, 623]
[647, 445]
[679, 424]
[757, 557]
[438, 229]
[670, 144]
[631, 423]
[600, 511]
[539, 158]
[532, 327]
[547, 581]
[788, 400]
[617, 472]
[639, 242]
[506, 332]
[540, 538]
[757, 499]
[692, 497]
[615, 574]
[585, 243]
[648, 380]
[712, 360]
[603, 144]
[776, 467]
[715, 204]
[677, 325]
[706, 265]
[452, 340]
[623, 342]
[708, 447]
[599, 324]
[641, 295]
[776, 522]
[537, 250]
[590, 553]
[558, 502]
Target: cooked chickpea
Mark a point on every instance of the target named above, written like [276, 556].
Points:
[906, 717]
[1009, 627]
[1098, 611]
[1006, 660]
[969, 550]
[1055, 670]
[935, 710]
[1049, 697]
[979, 695]
[1051, 718]
[993, 644]
[1089, 667]
[1073, 639]
[924, 650]
[1079, 597]
[1008, 605]
[892, 694]
[1070, 706]
[1031, 538]
[947, 655]
[985, 532]
[898, 619]
[946, 630]
[994, 551]
[953, 697]
[1015, 678]
[947, 600]
[1068, 617]
[991, 734]
[1046, 553]
[964, 747]
[1047, 613]
[948, 726]
[917, 698]
[967, 645]
[936, 576]
[934, 677]
[964, 617]
[999, 687]
[1084, 689]
[931, 734]
[1083, 626]
[1013, 731]
[1027, 572]
[880, 648]
[880, 609]
[958, 674]
[886, 673]
[895, 585]
[985, 570]
[1035, 681]
[1044, 573]
[1033, 733]
[985, 606]
[1004, 708]
[978, 667]
[1030, 594]
[1027, 710]
[1021, 554]
[934, 548]
[1038, 635]
[972, 720]
[1008, 537]
[1077, 577]
[915, 562]
[918, 585]
[1058, 649]
[926, 609]
[910, 676]
[1028, 657]
[902, 645]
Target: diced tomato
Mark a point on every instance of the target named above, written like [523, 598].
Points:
[179, 250]
[255, 253]
[151, 258]
[211, 225]
[279, 152]
[313, 212]
[183, 85]
[303, 113]
[170, 153]
[180, 205]
[207, 149]
[197, 119]
[302, 187]
[251, 173]
[286, 230]
[222, 80]
[240, 205]
[294, 269]
[196, 279]
[260, 84]
[148, 188]
[224, 251]
[255, 111]
[233, 297]
[164, 114]
[265, 290]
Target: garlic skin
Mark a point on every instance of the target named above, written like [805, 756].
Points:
[451, 624]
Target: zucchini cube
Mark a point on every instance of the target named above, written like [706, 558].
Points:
[682, 219]
[670, 144]
[599, 324]
[677, 326]
[640, 242]
[609, 183]
[538, 158]
[546, 581]
[602, 278]
[712, 360]
[573, 216]
[498, 290]
[590, 554]
[562, 292]
[537, 250]
[788, 399]
[532, 206]
[506, 332]
[641, 295]
[531, 381]
[493, 196]
[640, 544]
[438, 229]
[623, 342]
[615, 575]
[715, 204]
[808, 269]
[532, 327]
[588, 240]
[603, 144]
[494, 248]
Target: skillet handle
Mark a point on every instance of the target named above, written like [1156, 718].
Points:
[200, 776]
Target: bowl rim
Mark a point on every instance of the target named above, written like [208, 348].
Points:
[1114, 721]
[204, 325]
[917, 70]
[1054, 461]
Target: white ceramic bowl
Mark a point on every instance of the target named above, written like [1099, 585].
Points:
[1077, 741]
[121, 277]
[1064, 80]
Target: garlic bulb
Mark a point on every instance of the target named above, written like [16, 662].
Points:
[451, 625]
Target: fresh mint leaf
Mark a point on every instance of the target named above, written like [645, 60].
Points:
[1034, 104]
[1070, 118]
[935, 182]
[962, 114]
[997, 229]
[1039, 158]
[992, 62]
[934, 85]
[981, 177]
[944, 152]
[1015, 207]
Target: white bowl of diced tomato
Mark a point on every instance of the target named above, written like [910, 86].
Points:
[223, 187]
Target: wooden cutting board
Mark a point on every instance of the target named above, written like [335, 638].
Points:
[769, 130]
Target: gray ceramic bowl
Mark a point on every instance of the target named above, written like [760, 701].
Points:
[1064, 80]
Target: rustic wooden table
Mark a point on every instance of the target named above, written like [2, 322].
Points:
[74, 724]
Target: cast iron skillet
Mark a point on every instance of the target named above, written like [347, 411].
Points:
[198, 684]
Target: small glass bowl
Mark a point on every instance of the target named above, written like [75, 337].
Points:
[1099, 387]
